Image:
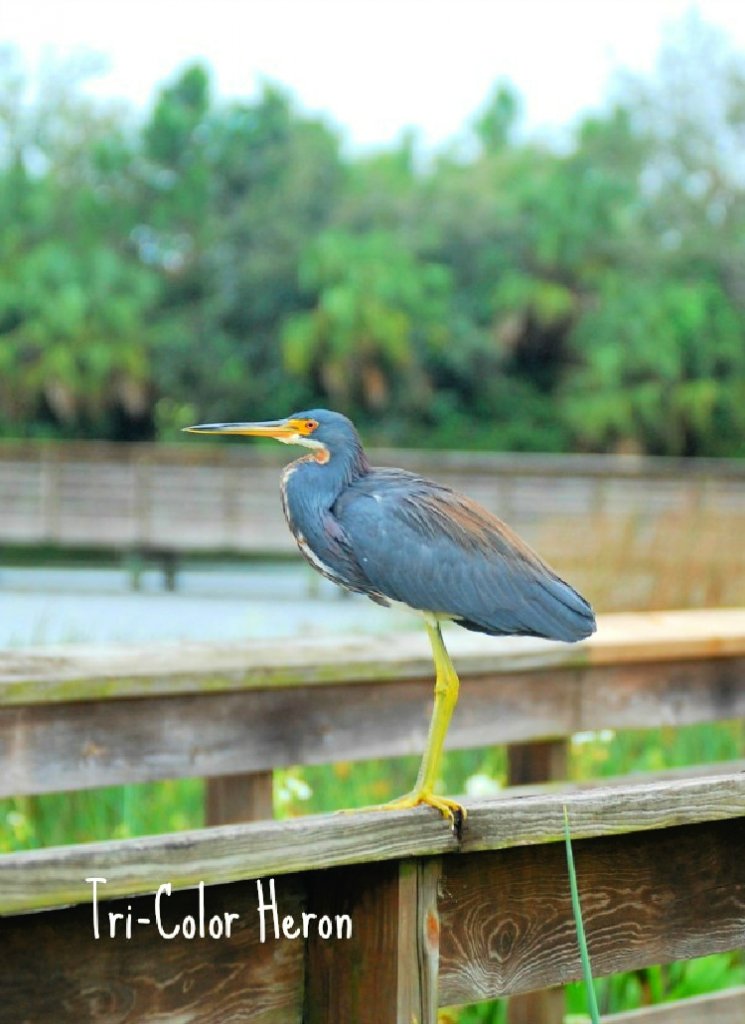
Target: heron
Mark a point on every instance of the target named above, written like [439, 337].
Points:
[402, 539]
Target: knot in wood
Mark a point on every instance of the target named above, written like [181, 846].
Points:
[503, 939]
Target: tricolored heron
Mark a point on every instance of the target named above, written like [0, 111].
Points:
[400, 538]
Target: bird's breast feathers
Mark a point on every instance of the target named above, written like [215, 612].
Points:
[320, 538]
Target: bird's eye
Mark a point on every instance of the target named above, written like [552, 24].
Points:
[310, 425]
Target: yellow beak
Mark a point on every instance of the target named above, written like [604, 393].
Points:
[268, 428]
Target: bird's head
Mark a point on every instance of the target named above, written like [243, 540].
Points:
[328, 433]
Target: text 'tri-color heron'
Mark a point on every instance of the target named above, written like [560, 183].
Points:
[398, 537]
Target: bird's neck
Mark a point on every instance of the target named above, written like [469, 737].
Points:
[313, 483]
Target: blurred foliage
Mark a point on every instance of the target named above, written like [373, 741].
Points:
[229, 259]
[376, 313]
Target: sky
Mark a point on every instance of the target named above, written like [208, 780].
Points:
[373, 67]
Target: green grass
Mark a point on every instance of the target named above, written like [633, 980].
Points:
[116, 812]
[592, 1003]
[122, 811]
[657, 984]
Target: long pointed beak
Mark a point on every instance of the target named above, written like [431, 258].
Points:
[268, 428]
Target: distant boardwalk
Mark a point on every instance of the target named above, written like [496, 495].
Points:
[630, 532]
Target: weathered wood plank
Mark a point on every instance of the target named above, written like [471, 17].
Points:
[540, 1007]
[85, 673]
[727, 1007]
[73, 673]
[647, 898]
[629, 806]
[54, 969]
[210, 453]
[63, 746]
[529, 763]
[418, 941]
[505, 927]
[679, 774]
[354, 980]
[53, 877]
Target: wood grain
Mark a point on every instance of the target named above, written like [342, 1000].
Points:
[648, 898]
[529, 763]
[46, 747]
[52, 877]
[355, 980]
[727, 1007]
[418, 940]
[69, 673]
[505, 926]
[80, 744]
[55, 970]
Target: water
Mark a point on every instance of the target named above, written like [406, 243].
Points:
[41, 607]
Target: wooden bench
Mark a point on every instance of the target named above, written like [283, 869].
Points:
[71, 718]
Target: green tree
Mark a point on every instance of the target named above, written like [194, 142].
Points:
[74, 298]
[496, 123]
[229, 257]
[662, 369]
[238, 191]
[376, 313]
[659, 352]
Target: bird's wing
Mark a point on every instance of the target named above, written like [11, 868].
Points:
[433, 549]
[337, 560]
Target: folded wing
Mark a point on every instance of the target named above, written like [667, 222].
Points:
[436, 550]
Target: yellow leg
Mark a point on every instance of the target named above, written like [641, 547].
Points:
[446, 697]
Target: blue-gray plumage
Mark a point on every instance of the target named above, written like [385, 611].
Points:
[397, 537]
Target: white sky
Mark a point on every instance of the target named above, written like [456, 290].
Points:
[373, 66]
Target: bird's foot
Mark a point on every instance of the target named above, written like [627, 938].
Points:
[449, 809]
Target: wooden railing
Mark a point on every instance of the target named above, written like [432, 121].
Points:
[632, 532]
[72, 718]
[434, 920]
[437, 918]
[726, 1007]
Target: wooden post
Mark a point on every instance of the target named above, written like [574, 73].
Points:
[134, 565]
[49, 491]
[232, 799]
[170, 566]
[546, 1005]
[543, 761]
[727, 1007]
[418, 941]
[529, 763]
[387, 972]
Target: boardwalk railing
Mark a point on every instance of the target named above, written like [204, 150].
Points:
[437, 918]
[633, 532]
